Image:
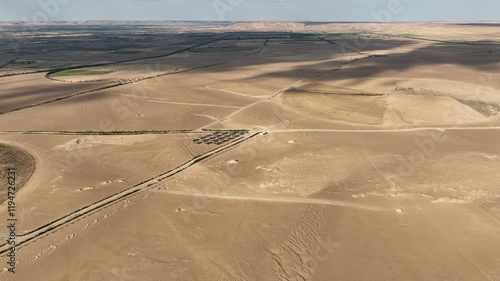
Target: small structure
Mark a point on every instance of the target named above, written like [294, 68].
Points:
[219, 137]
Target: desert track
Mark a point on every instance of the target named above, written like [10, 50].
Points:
[114, 85]
[416, 129]
[23, 238]
[255, 103]
[306, 130]
[110, 133]
[117, 62]
[160, 100]
[297, 83]
[280, 200]
[341, 46]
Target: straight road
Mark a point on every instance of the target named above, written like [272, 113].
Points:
[22, 239]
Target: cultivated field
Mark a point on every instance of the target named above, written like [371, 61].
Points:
[13, 157]
[252, 151]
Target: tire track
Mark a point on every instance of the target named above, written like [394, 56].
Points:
[290, 257]
[307, 201]
[459, 247]
[120, 62]
[112, 133]
[70, 218]
[114, 85]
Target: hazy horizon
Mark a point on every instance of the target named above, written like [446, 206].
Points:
[249, 21]
[251, 10]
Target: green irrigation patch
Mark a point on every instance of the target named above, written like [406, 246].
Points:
[65, 73]
[408, 35]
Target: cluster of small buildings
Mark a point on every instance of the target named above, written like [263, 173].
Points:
[219, 138]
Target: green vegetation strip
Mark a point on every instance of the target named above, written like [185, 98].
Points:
[79, 72]
[110, 133]
[409, 35]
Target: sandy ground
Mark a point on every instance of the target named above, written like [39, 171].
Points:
[75, 171]
[225, 236]
[25, 90]
[378, 162]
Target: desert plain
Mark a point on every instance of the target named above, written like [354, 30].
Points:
[251, 151]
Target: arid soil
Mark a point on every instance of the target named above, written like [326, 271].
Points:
[367, 152]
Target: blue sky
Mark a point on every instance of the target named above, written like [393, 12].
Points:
[248, 10]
